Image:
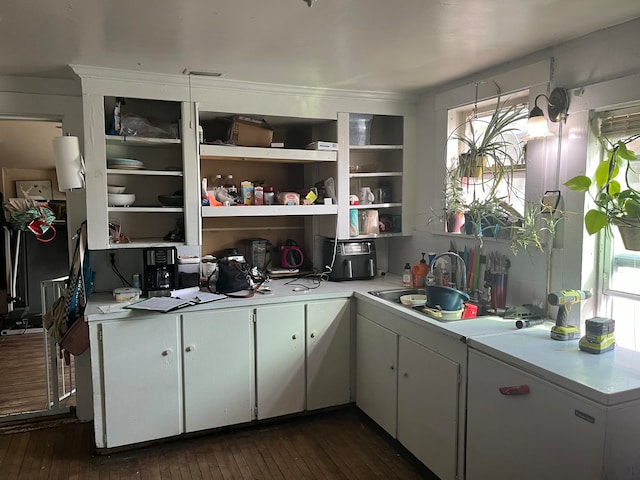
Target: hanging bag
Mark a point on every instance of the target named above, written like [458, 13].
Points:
[65, 320]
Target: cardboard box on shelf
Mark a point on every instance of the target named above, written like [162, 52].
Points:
[241, 131]
[250, 133]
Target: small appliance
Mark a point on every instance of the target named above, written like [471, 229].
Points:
[291, 255]
[256, 250]
[355, 259]
[160, 271]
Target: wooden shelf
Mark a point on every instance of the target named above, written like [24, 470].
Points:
[268, 210]
[145, 243]
[282, 155]
[141, 141]
[375, 206]
[152, 209]
[368, 148]
[375, 174]
[165, 173]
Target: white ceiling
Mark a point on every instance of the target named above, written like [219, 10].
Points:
[392, 45]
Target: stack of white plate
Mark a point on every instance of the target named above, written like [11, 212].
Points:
[124, 164]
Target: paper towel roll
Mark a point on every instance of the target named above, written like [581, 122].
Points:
[69, 168]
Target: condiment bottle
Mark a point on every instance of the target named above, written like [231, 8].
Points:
[269, 195]
[419, 273]
[406, 276]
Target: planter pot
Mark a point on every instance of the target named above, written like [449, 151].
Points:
[472, 166]
[455, 222]
[629, 229]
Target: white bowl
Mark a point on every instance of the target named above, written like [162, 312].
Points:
[413, 299]
[116, 189]
[121, 199]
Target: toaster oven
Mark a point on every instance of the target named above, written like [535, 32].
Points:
[355, 259]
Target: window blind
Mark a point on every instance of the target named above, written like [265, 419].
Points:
[617, 124]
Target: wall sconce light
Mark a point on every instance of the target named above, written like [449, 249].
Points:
[69, 163]
[557, 108]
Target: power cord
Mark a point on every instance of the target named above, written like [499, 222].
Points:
[116, 271]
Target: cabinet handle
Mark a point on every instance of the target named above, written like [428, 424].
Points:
[167, 352]
[405, 374]
[392, 367]
[313, 335]
[190, 348]
[294, 336]
[514, 390]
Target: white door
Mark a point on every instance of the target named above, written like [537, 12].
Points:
[532, 429]
[280, 369]
[217, 349]
[428, 390]
[142, 382]
[328, 338]
[376, 379]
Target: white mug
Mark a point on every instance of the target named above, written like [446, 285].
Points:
[366, 196]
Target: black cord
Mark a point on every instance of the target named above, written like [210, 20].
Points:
[116, 271]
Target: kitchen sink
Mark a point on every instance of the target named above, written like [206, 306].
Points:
[393, 295]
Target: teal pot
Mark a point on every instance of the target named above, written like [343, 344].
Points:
[445, 298]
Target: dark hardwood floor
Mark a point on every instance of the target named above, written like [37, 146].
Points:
[341, 444]
[23, 386]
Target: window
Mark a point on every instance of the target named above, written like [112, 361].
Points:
[620, 268]
[490, 184]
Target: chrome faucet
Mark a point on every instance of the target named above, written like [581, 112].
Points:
[458, 259]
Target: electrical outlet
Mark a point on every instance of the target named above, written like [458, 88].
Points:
[113, 259]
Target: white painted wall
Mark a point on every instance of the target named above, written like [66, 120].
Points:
[591, 62]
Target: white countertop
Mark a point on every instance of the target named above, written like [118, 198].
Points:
[282, 291]
[608, 378]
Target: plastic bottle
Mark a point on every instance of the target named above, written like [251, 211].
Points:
[406, 276]
[232, 188]
[217, 182]
[419, 273]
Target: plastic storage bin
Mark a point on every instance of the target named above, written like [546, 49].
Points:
[360, 129]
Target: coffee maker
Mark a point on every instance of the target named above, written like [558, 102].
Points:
[160, 271]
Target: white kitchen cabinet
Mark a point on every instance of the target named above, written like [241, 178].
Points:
[412, 390]
[328, 346]
[376, 378]
[168, 164]
[141, 375]
[217, 349]
[280, 359]
[521, 426]
[384, 165]
[428, 392]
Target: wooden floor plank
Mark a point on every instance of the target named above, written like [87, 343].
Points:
[331, 445]
[22, 363]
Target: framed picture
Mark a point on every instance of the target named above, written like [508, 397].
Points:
[35, 189]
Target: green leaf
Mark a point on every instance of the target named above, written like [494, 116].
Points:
[605, 172]
[614, 188]
[594, 221]
[578, 184]
[632, 208]
[624, 152]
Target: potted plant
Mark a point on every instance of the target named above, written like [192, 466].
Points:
[491, 150]
[455, 207]
[535, 228]
[616, 201]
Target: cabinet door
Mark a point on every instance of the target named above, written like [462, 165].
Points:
[141, 375]
[218, 368]
[328, 338]
[428, 389]
[542, 432]
[280, 377]
[376, 379]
